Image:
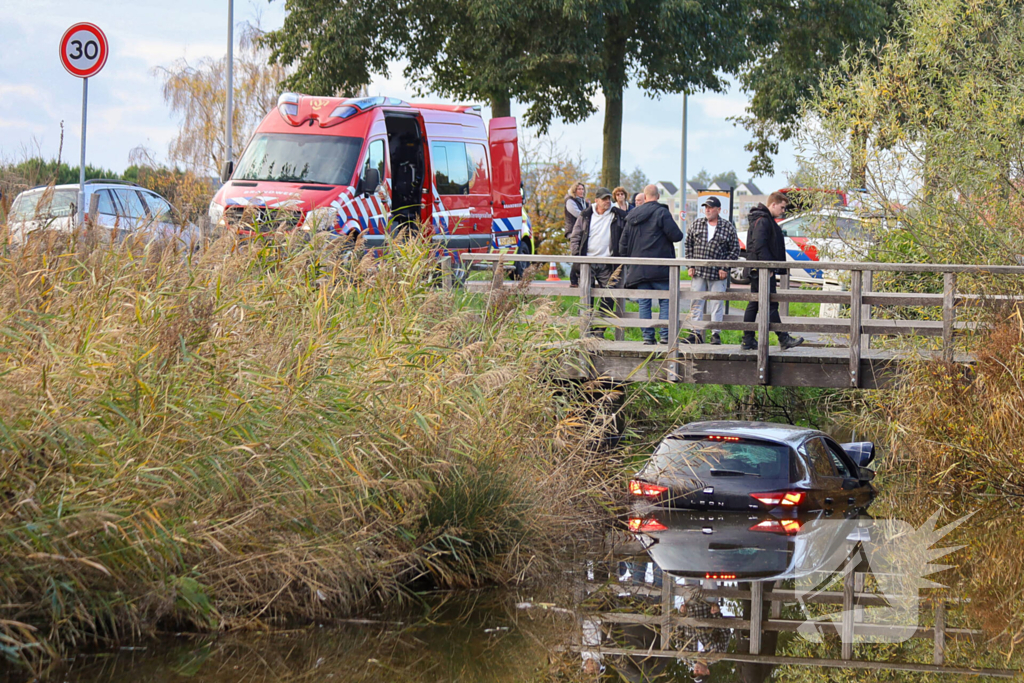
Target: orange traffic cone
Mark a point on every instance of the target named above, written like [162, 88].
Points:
[553, 274]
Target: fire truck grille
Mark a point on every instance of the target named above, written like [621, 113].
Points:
[262, 219]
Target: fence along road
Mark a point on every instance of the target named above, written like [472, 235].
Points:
[856, 364]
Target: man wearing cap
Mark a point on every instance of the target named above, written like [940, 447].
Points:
[596, 233]
[712, 238]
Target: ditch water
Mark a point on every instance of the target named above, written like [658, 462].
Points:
[731, 591]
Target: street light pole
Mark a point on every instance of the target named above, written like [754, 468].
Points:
[682, 170]
[231, 65]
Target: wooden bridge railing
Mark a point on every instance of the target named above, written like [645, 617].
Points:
[860, 298]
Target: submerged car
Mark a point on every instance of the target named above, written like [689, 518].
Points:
[757, 466]
[124, 208]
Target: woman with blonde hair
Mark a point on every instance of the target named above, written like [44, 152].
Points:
[620, 198]
[575, 203]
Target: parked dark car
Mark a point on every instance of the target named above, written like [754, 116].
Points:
[757, 466]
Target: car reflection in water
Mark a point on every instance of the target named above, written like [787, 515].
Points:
[703, 555]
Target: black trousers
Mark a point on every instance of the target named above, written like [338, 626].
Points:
[750, 315]
[601, 275]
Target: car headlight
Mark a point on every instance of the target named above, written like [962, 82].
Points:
[216, 214]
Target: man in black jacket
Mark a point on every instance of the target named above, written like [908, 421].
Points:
[597, 233]
[650, 233]
[766, 243]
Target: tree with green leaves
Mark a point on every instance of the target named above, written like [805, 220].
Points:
[794, 43]
[494, 50]
[724, 179]
[941, 112]
[664, 46]
[551, 55]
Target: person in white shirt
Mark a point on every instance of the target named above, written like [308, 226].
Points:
[596, 233]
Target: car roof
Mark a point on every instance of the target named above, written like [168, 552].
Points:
[790, 435]
[93, 185]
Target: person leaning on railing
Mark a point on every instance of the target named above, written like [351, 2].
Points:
[597, 233]
[765, 242]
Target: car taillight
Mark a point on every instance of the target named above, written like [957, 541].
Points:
[720, 577]
[642, 488]
[785, 498]
[778, 526]
[645, 525]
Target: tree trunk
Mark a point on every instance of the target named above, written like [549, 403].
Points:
[501, 104]
[859, 157]
[611, 159]
[613, 85]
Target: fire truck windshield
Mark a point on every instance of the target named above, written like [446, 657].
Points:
[291, 158]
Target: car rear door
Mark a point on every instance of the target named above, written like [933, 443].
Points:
[827, 492]
[856, 495]
[104, 209]
[134, 216]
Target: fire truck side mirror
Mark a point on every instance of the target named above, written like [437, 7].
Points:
[369, 182]
[226, 171]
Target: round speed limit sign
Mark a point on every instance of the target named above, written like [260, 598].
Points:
[83, 50]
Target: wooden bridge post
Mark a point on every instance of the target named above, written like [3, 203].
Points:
[763, 317]
[847, 623]
[784, 284]
[939, 656]
[667, 608]
[948, 314]
[856, 309]
[586, 305]
[867, 283]
[756, 616]
[673, 323]
[620, 312]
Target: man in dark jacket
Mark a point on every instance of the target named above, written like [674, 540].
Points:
[597, 233]
[766, 243]
[650, 233]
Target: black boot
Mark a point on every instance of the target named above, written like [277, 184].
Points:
[748, 343]
[790, 342]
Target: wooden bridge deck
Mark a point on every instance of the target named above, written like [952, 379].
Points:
[804, 366]
[853, 363]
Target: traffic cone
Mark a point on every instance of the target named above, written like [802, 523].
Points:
[553, 274]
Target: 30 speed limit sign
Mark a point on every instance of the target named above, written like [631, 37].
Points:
[83, 50]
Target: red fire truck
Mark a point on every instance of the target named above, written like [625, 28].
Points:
[371, 166]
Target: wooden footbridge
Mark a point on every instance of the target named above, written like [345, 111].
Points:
[863, 350]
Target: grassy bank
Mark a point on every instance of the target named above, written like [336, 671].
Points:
[259, 435]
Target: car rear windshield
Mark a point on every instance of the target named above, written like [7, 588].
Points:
[44, 203]
[715, 456]
[292, 158]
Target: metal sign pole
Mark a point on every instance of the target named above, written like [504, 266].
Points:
[231, 69]
[81, 165]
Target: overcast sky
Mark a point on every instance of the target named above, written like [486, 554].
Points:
[126, 108]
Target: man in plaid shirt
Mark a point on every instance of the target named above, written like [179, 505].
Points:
[713, 238]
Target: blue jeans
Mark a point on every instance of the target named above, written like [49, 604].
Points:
[645, 311]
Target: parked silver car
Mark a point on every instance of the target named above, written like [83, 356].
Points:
[127, 209]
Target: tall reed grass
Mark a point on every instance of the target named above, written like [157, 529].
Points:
[265, 433]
